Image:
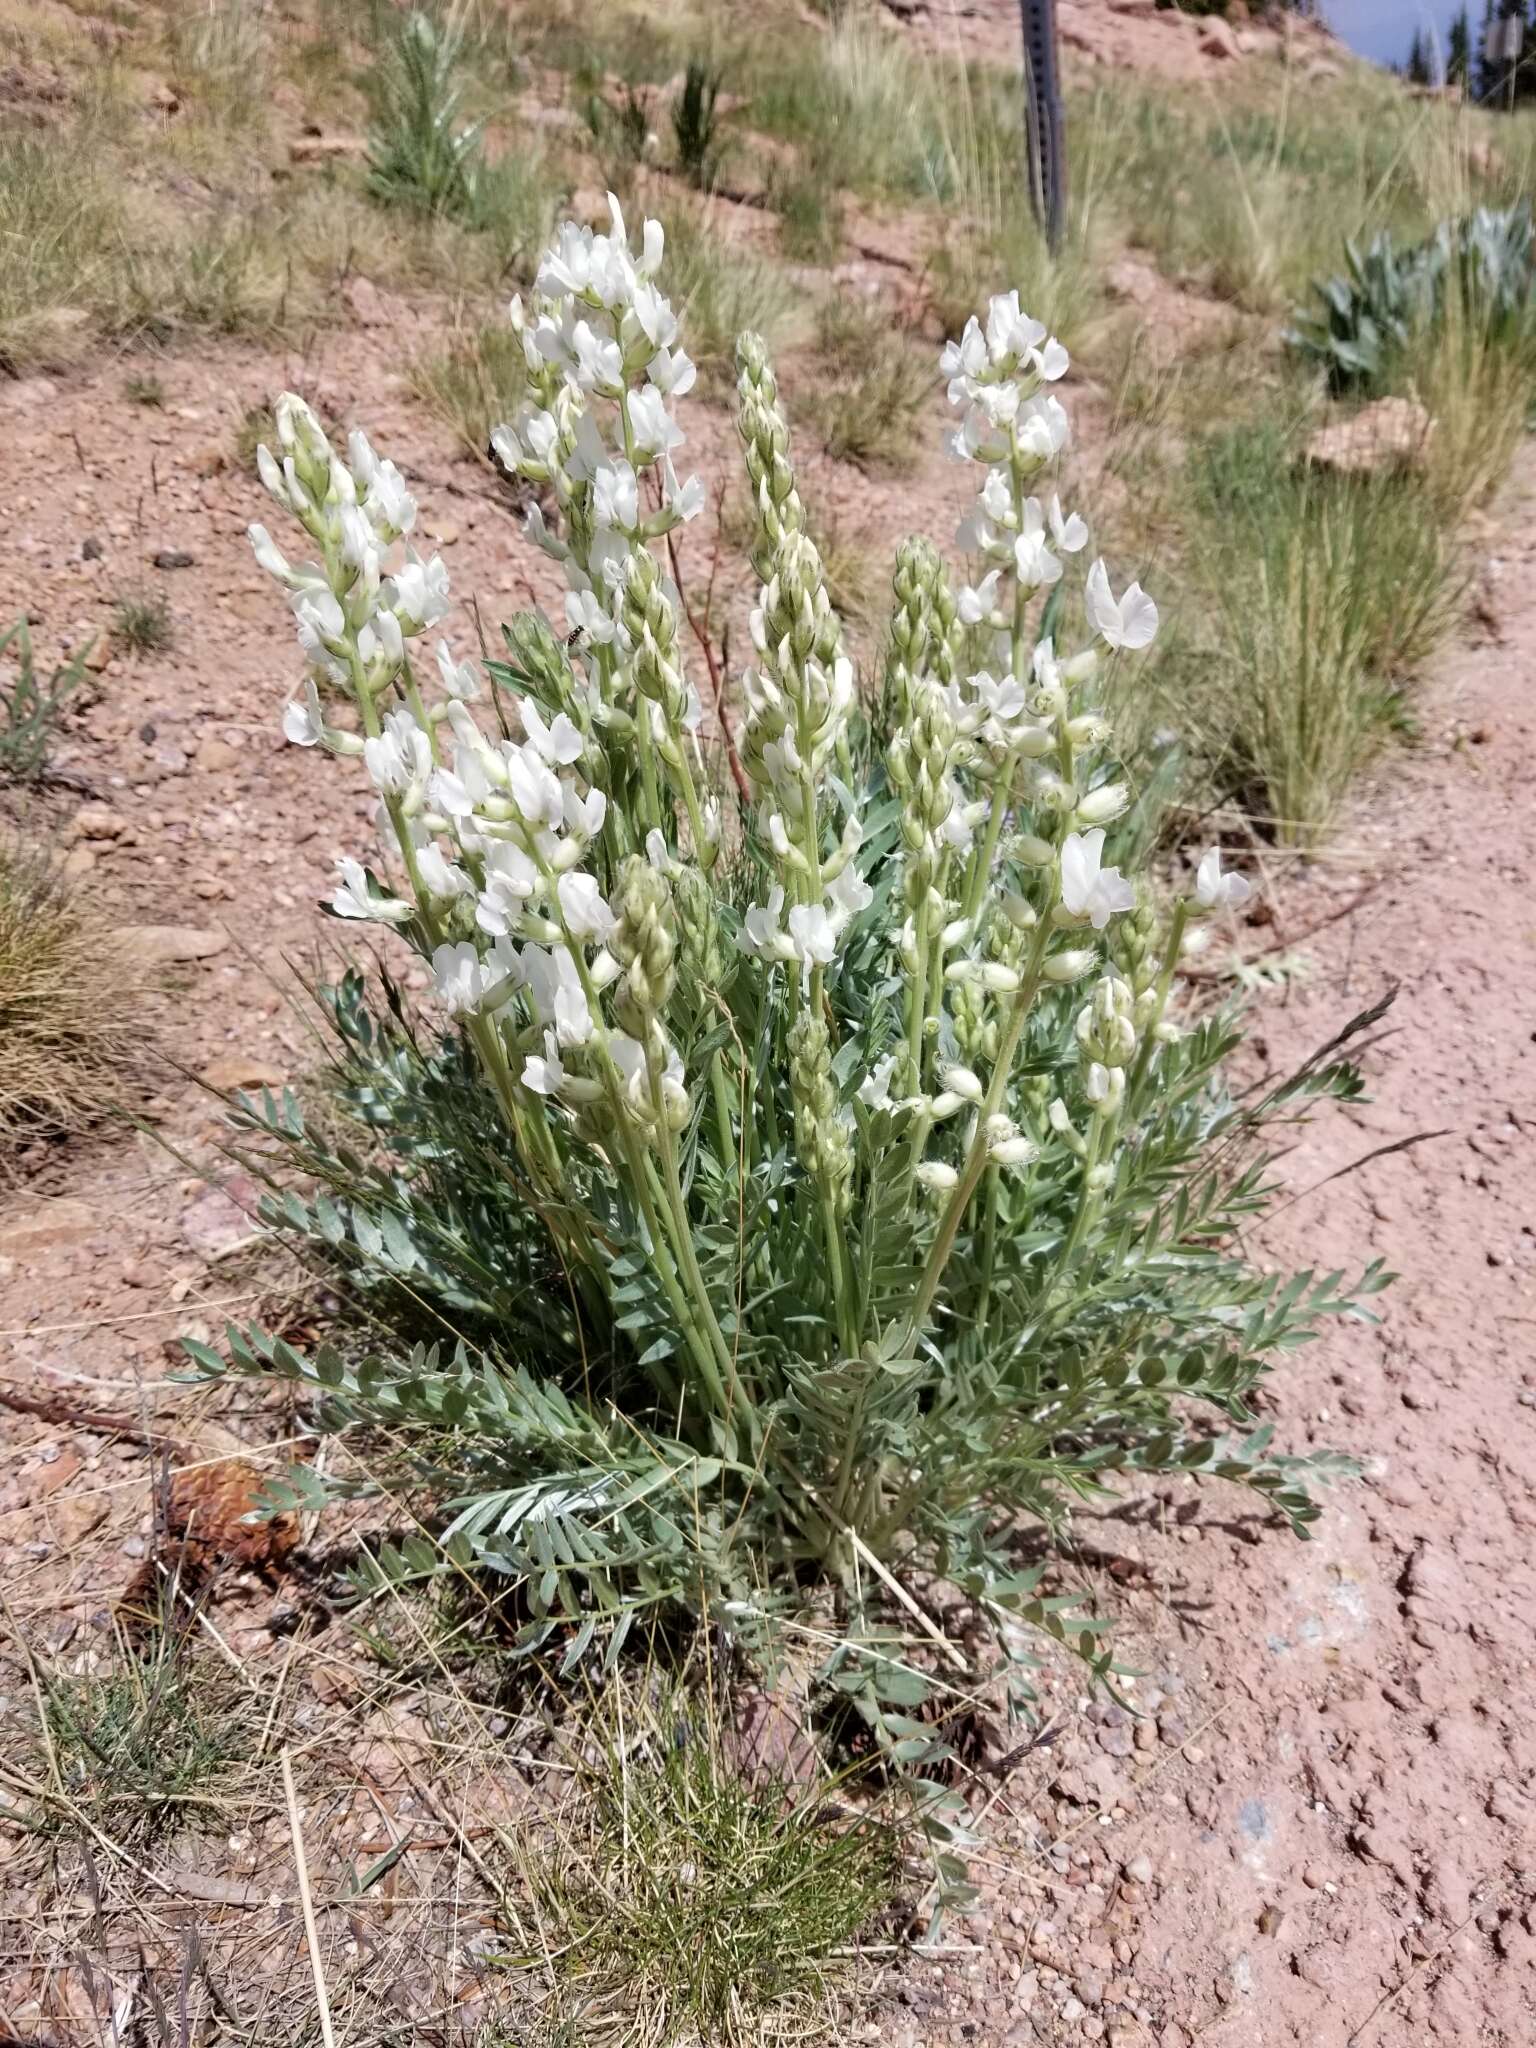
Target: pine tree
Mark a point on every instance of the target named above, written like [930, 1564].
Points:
[1418, 61]
[1458, 58]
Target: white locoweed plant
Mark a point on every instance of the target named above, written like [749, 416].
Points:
[819, 1184]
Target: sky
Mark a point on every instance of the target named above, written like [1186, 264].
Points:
[1383, 29]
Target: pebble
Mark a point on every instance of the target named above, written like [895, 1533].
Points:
[1139, 1870]
[1313, 1878]
[1089, 1987]
[1072, 2010]
[173, 558]
[1172, 1729]
[1093, 2028]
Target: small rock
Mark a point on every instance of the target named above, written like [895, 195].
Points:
[1115, 1741]
[1072, 2009]
[1089, 1987]
[1385, 437]
[1313, 1878]
[98, 654]
[1218, 39]
[57, 1219]
[216, 757]
[56, 1474]
[1271, 1920]
[221, 1218]
[1139, 1869]
[209, 461]
[319, 149]
[1145, 1735]
[1093, 2028]
[173, 558]
[174, 941]
[97, 821]
[1172, 1728]
[78, 862]
[240, 1072]
[90, 549]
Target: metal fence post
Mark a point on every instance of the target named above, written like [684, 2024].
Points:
[1043, 118]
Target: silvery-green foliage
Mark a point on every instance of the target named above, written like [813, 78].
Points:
[418, 154]
[808, 1192]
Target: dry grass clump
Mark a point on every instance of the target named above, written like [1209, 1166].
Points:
[869, 407]
[70, 1021]
[474, 384]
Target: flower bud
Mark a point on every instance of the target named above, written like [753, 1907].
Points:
[1069, 966]
[934, 1174]
[962, 1082]
[1102, 805]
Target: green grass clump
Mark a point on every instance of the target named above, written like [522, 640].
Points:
[31, 705]
[139, 1749]
[696, 124]
[695, 1905]
[417, 156]
[143, 624]
[1325, 594]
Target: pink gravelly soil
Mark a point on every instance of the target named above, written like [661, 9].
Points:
[1335, 1794]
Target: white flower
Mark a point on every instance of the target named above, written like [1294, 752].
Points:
[584, 814]
[1052, 361]
[1014, 1151]
[302, 722]
[761, 924]
[1216, 891]
[1069, 533]
[813, 936]
[978, 602]
[1043, 427]
[1010, 332]
[418, 592]
[682, 502]
[1033, 560]
[399, 759]
[938, 1177]
[875, 1088]
[510, 879]
[652, 428]
[441, 877]
[616, 497]
[672, 372]
[544, 1075]
[1089, 892]
[558, 996]
[462, 981]
[850, 893]
[354, 897]
[1130, 621]
[964, 361]
[559, 743]
[459, 678]
[583, 907]
[534, 786]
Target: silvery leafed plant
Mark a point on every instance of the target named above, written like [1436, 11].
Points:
[820, 1184]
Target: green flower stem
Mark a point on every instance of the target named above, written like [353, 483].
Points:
[986, 848]
[988, 1240]
[976, 1160]
[917, 998]
[734, 1394]
[1164, 988]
